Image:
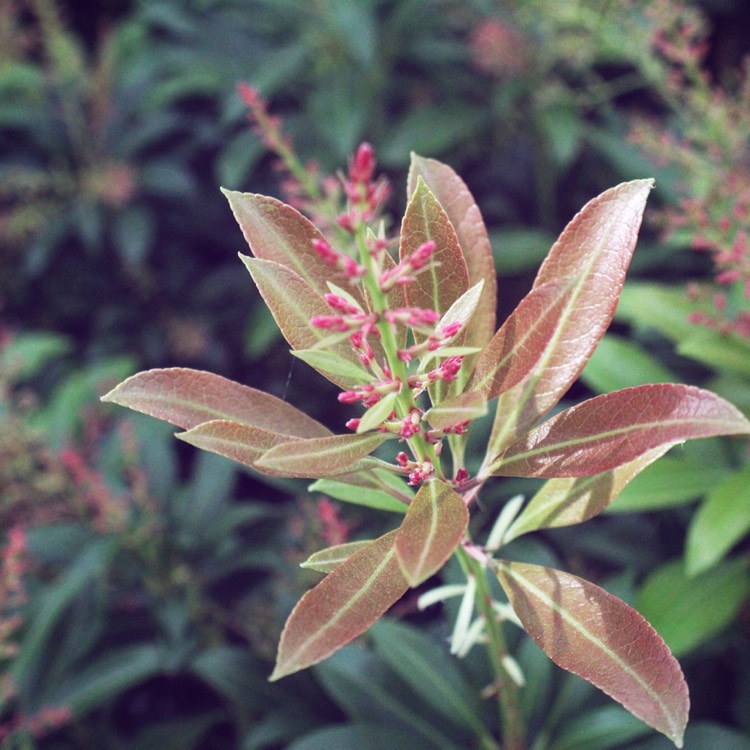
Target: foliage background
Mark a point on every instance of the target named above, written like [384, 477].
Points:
[143, 586]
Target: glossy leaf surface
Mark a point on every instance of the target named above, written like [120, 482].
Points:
[341, 607]
[320, 457]
[591, 633]
[614, 429]
[446, 277]
[594, 250]
[434, 525]
[570, 500]
[187, 398]
[326, 560]
[459, 205]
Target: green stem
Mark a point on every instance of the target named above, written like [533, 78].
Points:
[509, 708]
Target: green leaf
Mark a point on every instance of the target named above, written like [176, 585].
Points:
[320, 457]
[570, 500]
[428, 671]
[613, 429]
[328, 362]
[362, 735]
[293, 302]
[342, 606]
[239, 442]
[376, 488]
[600, 729]
[594, 250]
[325, 560]
[688, 610]
[377, 413]
[657, 306]
[187, 398]
[462, 408]
[446, 277]
[434, 526]
[591, 633]
[721, 521]
[454, 196]
[729, 352]
[620, 363]
[279, 233]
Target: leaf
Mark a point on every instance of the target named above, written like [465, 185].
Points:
[279, 233]
[689, 610]
[325, 361]
[459, 205]
[570, 500]
[187, 398]
[293, 302]
[611, 430]
[432, 529]
[239, 442]
[325, 560]
[595, 248]
[320, 457]
[721, 521]
[516, 348]
[375, 488]
[341, 607]
[378, 413]
[462, 408]
[446, 277]
[464, 308]
[591, 633]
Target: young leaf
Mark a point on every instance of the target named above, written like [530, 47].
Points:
[459, 205]
[293, 302]
[591, 633]
[377, 413]
[516, 348]
[320, 457]
[595, 248]
[342, 606]
[570, 500]
[433, 527]
[446, 277]
[187, 398]
[325, 560]
[279, 233]
[324, 360]
[373, 488]
[461, 408]
[614, 429]
[239, 442]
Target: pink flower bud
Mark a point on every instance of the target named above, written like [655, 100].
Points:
[340, 304]
[418, 259]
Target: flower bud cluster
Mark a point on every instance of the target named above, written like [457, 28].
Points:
[419, 471]
[365, 194]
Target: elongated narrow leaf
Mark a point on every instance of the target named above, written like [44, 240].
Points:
[446, 277]
[325, 560]
[378, 413]
[595, 249]
[320, 457]
[453, 411]
[614, 429]
[374, 488]
[187, 398]
[521, 341]
[240, 442]
[342, 606]
[571, 500]
[593, 634]
[434, 526]
[325, 361]
[279, 233]
[293, 302]
[459, 205]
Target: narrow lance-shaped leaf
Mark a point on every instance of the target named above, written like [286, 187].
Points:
[187, 398]
[611, 430]
[432, 529]
[593, 634]
[279, 233]
[342, 606]
[460, 207]
[462, 408]
[326, 560]
[445, 278]
[320, 457]
[594, 250]
[570, 500]
[293, 302]
[238, 442]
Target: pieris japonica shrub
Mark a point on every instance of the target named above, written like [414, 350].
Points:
[405, 327]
